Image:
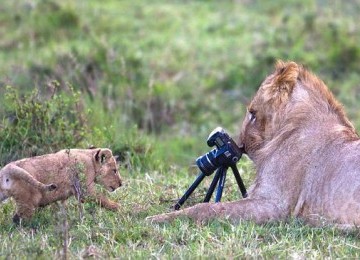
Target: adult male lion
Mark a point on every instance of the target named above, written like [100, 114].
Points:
[68, 172]
[305, 151]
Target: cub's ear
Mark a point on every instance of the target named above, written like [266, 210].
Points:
[103, 155]
[285, 77]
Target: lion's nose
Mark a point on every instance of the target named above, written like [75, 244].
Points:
[242, 148]
[120, 183]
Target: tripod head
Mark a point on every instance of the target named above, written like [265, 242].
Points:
[226, 153]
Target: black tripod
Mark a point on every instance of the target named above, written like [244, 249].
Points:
[219, 180]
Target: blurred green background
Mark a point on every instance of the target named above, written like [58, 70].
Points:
[156, 77]
[151, 80]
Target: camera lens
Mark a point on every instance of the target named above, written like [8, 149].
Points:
[207, 163]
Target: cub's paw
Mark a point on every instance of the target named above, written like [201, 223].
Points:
[113, 206]
[16, 219]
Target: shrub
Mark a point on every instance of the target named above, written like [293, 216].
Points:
[36, 123]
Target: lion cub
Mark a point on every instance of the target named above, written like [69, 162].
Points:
[38, 181]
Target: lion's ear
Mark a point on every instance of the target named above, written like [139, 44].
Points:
[103, 155]
[283, 81]
[286, 75]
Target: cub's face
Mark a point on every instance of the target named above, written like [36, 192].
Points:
[108, 175]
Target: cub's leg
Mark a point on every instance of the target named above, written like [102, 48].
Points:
[24, 210]
[106, 203]
[26, 204]
[3, 196]
[258, 210]
[101, 199]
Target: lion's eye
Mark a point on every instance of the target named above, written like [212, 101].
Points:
[115, 171]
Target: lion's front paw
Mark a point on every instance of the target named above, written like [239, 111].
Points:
[200, 213]
[161, 218]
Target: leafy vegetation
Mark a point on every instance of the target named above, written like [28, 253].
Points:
[36, 125]
[150, 80]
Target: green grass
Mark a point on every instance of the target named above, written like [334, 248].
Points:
[154, 79]
[126, 234]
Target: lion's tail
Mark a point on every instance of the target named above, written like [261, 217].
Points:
[13, 171]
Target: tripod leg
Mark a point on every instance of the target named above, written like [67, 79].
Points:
[187, 194]
[213, 185]
[221, 185]
[239, 181]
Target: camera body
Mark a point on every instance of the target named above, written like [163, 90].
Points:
[226, 153]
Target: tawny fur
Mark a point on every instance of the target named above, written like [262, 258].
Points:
[305, 151]
[41, 180]
[10, 173]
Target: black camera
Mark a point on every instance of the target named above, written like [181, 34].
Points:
[226, 153]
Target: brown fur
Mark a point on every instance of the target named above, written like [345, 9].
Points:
[68, 172]
[306, 153]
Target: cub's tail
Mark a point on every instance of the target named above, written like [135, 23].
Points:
[11, 172]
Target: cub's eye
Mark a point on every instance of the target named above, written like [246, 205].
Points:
[115, 171]
[252, 116]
